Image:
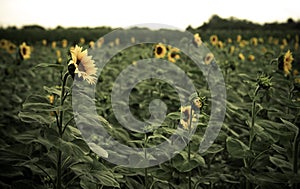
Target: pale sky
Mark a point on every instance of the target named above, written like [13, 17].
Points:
[124, 13]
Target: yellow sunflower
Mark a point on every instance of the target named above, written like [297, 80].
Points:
[231, 49]
[132, 40]
[209, 58]
[92, 44]
[241, 56]
[160, 50]
[81, 40]
[64, 43]
[295, 72]
[82, 65]
[186, 114]
[173, 54]
[287, 62]
[238, 38]
[251, 57]
[24, 51]
[11, 48]
[197, 40]
[3, 43]
[214, 40]
[44, 42]
[53, 44]
[254, 41]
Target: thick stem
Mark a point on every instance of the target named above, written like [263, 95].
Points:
[60, 132]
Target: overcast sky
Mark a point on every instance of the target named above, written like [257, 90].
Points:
[123, 13]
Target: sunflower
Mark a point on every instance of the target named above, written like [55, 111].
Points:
[251, 57]
[100, 42]
[254, 41]
[11, 48]
[64, 43]
[160, 50]
[214, 40]
[231, 49]
[295, 72]
[44, 42]
[82, 65]
[132, 40]
[117, 41]
[3, 43]
[81, 40]
[24, 51]
[92, 44]
[173, 54]
[241, 56]
[197, 40]
[209, 58]
[53, 44]
[186, 112]
[287, 62]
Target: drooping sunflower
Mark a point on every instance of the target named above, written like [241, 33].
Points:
[82, 65]
[173, 54]
[214, 40]
[209, 58]
[231, 49]
[24, 51]
[160, 50]
[197, 40]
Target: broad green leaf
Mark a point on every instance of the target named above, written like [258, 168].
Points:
[236, 148]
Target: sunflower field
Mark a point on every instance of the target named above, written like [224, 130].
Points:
[50, 136]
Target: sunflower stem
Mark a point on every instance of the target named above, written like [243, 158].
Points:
[251, 132]
[60, 132]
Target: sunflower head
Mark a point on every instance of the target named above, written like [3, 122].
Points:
[24, 51]
[209, 58]
[186, 114]
[214, 40]
[82, 65]
[160, 50]
[173, 54]
[197, 40]
[285, 62]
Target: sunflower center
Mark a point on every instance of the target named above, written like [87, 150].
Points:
[24, 51]
[159, 50]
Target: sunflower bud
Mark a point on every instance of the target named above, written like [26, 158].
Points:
[264, 81]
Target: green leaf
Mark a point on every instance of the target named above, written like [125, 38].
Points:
[236, 148]
[31, 117]
[281, 163]
[49, 65]
[181, 163]
[98, 150]
[52, 90]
